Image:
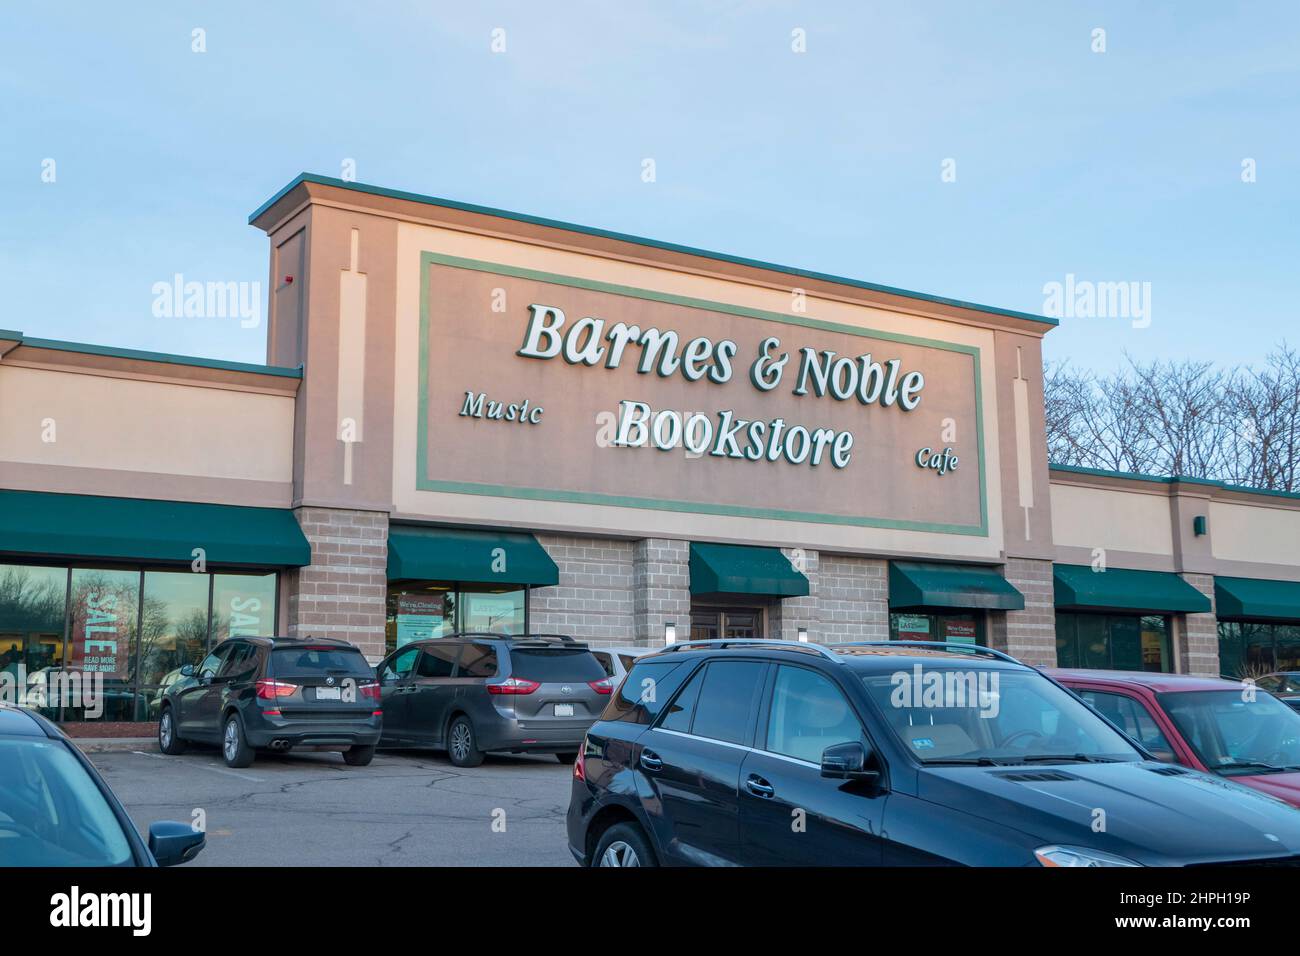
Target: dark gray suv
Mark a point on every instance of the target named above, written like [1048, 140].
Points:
[275, 693]
[471, 694]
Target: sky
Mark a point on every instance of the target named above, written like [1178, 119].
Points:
[981, 151]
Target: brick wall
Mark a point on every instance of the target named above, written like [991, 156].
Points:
[852, 599]
[594, 599]
[785, 617]
[1196, 636]
[661, 583]
[1029, 635]
[342, 593]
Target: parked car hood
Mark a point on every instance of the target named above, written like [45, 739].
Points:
[1137, 810]
[1284, 786]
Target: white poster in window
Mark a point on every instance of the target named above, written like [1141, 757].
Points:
[419, 617]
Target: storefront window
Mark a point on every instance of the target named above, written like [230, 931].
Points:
[104, 616]
[243, 605]
[497, 611]
[1128, 642]
[418, 613]
[959, 627]
[32, 605]
[1248, 649]
[422, 610]
[81, 644]
[173, 630]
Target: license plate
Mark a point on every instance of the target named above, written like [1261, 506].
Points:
[563, 710]
[328, 693]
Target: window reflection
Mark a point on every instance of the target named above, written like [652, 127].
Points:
[173, 630]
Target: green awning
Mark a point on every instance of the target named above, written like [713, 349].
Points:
[741, 569]
[472, 557]
[1079, 587]
[912, 584]
[1257, 598]
[137, 529]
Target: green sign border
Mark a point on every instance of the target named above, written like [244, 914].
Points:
[424, 483]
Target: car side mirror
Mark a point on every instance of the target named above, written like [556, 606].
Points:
[187, 670]
[847, 762]
[172, 843]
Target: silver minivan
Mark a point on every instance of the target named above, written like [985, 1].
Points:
[474, 694]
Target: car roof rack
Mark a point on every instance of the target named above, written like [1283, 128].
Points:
[940, 645]
[724, 643]
[562, 638]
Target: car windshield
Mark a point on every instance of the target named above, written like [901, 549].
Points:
[51, 811]
[1237, 731]
[949, 714]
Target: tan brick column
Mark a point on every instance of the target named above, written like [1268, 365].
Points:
[342, 593]
[852, 599]
[1196, 636]
[787, 615]
[1028, 635]
[661, 589]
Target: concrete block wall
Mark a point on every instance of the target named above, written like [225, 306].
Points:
[1028, 635]
[852, 599]
[785, 617]
[661, 586]
[343, 592]
[1196, 636]
[594, 600]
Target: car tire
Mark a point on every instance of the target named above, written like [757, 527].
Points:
[358, 756]
[234, 745]
[169, 742]
[462, 744]
[568, 756]
[623, 844]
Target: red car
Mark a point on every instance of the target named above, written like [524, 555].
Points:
[1223, 727]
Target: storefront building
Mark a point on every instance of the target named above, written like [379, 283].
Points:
[480, 421]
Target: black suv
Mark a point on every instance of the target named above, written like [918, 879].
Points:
[471, 694]
[275, 693]
[898, 753]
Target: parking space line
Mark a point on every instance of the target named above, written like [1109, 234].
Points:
[233, 773]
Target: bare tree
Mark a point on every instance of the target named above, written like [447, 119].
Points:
[1189, 419]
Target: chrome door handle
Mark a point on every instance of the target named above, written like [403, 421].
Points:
[759, 787]
[650, 760]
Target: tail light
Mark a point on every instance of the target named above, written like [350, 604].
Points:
[514, 685]
[369, 689]
[579, 770]
[268, 689]
[605, 686]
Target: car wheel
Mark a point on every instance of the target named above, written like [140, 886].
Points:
[234, 747]
[358, 756]
[462, 747]
[623, 845]
[168, 740]
[569, 756]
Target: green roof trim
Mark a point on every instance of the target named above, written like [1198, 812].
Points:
[1255, 598]
[637, 240]
[470, 557]
[142, 530]
[1079, 587]
[743, 569]
[164, 357]
[917, 584]
[1173, 479]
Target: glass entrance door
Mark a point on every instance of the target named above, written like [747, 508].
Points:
[729, 623]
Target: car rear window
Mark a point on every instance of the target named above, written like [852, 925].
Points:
[309, 661]
[548, 665]
[644, 691]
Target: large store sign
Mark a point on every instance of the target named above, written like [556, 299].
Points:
[543, 386]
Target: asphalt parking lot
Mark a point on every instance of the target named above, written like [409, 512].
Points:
[311, 809]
